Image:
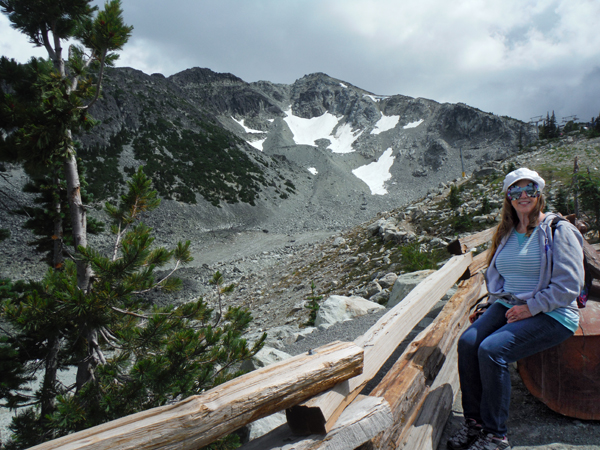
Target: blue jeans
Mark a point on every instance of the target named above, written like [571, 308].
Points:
[486, 349]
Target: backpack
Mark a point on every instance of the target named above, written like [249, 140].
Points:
[587, 283]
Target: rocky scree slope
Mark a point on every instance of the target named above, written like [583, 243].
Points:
[276, 284]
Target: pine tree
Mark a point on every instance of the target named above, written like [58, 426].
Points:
[130, 355]
[589, 195]
[553, 127]
[549, 130]
[63, 92]
[89, 311]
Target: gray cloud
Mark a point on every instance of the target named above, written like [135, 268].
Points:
[516, 57]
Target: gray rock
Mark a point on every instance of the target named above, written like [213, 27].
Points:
[373, 288]
[406, 283]
[338, 242]
[388, 280]
[263, 426]
[381, 297]
[339, 308]
[280, 337]
[265, 357]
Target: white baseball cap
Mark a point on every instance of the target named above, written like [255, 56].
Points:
[523, 174]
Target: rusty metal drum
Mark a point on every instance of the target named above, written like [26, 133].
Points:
[567, 377]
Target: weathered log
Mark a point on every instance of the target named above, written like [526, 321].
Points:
[593, 259]
[426, 430]
[365, 418]
[200, 419]
[406, 383]
[464, 244]
[479, 263]
[318, 415]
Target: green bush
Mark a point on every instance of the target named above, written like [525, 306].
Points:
[486, 206]
[313, 305]
[462, 222]
[454, 199]
[414, 259]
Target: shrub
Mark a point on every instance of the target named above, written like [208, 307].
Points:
[486, 206]
[313, 305]
[414, 259]
[454, 199]
[462, 222]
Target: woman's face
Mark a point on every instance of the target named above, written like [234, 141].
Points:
[524, 204]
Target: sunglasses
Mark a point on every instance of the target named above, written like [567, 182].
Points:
[531, 190]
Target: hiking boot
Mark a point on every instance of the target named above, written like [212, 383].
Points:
[490, 442]
[467, 435]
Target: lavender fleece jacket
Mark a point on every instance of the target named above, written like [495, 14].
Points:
[561, 270]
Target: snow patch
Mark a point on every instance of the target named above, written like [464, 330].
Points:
[343, 85]
[377, 173]
[343, 139]
[257, 144]
[307, 131]
[313, 170]
[246, 129]
[385, 123]
[376, 98]
[413, 124]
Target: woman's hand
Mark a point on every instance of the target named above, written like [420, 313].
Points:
[517, 313]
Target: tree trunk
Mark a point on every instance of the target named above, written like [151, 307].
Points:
[78, 216]
[48, 395]
[57, 254]
[85, 368]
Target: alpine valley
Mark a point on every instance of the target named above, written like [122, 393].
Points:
[231, 158]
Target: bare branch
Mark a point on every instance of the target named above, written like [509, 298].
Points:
[99, 82]
[129, 313]
[158, 285]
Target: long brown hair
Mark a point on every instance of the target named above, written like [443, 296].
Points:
[510, 220]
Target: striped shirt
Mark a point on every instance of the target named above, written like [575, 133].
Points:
[519, 263]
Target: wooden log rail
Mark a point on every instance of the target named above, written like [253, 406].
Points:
[319, 414]
[201, 419]
[320, 388]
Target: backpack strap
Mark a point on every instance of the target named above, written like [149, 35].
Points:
[554, 224]
[583, 295]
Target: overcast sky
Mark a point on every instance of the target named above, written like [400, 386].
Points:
[519, 58]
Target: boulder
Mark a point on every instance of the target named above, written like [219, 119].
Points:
[280, 337]
[388, 280]
[339, 308]
[381, 298]
[339, 241]
[265, 357]
[373, 288]
[406, 283]
[260, 427]
[374, 227]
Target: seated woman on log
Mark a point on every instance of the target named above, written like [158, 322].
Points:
[534, 276]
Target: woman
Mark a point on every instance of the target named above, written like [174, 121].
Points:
[533, 279]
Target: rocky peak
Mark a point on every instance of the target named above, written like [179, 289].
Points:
[200, 76]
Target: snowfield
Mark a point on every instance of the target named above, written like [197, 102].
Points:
[385, 123]
[246, 129]
[413, 124]
[307, 131]
[377, 173]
